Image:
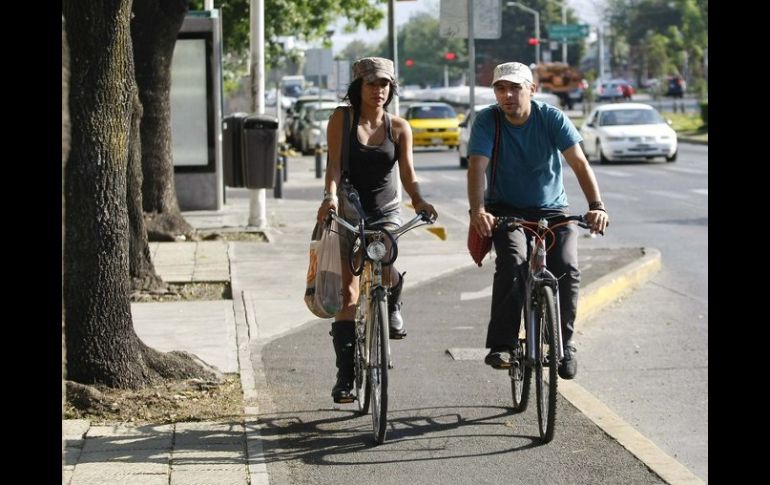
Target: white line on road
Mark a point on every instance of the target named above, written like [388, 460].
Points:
[613, 173]
[669, 194]
[476, 295]
[701, 191]
[693, 171]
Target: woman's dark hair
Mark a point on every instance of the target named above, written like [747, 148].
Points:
[354, 94]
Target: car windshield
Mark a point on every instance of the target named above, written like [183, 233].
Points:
[630, 117]
[430, 112]
[322, 114]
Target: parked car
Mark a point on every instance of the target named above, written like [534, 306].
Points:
[295, 113]
[627, 131]
[676, 87]
[614, 90]
[465, 134]
[312, 126]
[433, 124]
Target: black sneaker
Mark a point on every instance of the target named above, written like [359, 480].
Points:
[498, 358]
[568, 366]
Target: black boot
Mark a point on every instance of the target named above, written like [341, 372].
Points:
[344, 337]
[397, 330]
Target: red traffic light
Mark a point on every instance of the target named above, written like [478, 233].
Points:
[532, 41]
[450, 56]
[409, 63]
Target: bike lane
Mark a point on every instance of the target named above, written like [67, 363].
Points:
[449, 418]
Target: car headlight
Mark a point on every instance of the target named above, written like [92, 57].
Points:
[376, 250]
[615, 138]
[418, 130]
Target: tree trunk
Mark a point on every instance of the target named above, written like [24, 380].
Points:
[156, 25]
[141, 267]
[102, 346]
[65, 148]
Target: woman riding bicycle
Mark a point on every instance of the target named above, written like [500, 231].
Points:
[377, 141]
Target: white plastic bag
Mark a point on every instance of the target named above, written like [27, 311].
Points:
[323, 292]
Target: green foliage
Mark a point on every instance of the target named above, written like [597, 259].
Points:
[306, 20]
[665, 36]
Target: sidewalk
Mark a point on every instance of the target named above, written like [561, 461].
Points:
[268, 283]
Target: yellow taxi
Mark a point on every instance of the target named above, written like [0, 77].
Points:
[433, 124]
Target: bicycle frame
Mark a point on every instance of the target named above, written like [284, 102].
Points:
[537, 277]
[541, 307]
[371, 320]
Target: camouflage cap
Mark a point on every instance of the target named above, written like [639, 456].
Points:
[373, 68]
[514, 72]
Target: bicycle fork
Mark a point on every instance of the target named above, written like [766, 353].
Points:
[533, 323]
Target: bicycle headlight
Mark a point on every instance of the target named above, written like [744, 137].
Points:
[376, 250]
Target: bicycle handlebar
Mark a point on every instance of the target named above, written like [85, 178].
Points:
[510, 222]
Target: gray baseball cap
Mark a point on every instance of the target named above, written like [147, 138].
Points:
[515, 72]
[373, 68]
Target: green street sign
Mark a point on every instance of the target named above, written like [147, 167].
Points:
[567, 31]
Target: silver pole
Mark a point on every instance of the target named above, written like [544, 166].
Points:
[471, 65]
[257, 197]
[564, 40]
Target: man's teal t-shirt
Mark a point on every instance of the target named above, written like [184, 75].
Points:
[529, 164]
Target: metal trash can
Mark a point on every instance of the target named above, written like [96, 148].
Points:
[232, 149]
[260, 147]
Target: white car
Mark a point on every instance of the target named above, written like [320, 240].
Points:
[624, 131]
[312, 125]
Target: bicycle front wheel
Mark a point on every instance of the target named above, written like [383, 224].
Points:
[545, 316]
[521, 377]
[378, 366]
[363, 392]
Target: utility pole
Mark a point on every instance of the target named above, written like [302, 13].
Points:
[257, 197]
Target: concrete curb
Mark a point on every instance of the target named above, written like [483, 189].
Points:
[650, 454]
[612, 286]
[693, 141]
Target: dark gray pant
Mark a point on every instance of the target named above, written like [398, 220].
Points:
[511, 272]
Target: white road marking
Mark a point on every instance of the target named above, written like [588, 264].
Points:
[476, 295]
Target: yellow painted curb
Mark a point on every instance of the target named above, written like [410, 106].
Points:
[656, 459]
[612, 286]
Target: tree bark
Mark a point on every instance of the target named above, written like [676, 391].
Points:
[141, 268]
[155, 27]
[102, 346]
[65, 148]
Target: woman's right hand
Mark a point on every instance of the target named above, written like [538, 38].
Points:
[323, 211]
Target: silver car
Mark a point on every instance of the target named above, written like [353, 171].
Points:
[627, 131]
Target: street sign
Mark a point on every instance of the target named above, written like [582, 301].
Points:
[487, 19]
[567, 31]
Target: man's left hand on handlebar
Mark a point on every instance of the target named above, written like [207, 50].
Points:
[598, 220]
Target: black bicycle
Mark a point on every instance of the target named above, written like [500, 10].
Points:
[541, 348]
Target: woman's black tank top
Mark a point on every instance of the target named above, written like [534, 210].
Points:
[371, 170]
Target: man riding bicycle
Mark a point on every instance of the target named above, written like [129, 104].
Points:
[525, 180]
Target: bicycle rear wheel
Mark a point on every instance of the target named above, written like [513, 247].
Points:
[545, 316]
[363, 393]
[378, 366]
[521, 378]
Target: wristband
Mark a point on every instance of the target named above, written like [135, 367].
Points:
[596, 205]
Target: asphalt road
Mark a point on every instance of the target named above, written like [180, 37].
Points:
[449, 420]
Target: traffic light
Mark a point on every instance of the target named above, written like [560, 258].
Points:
[533, 41]
[409, 63]
[450, 56]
